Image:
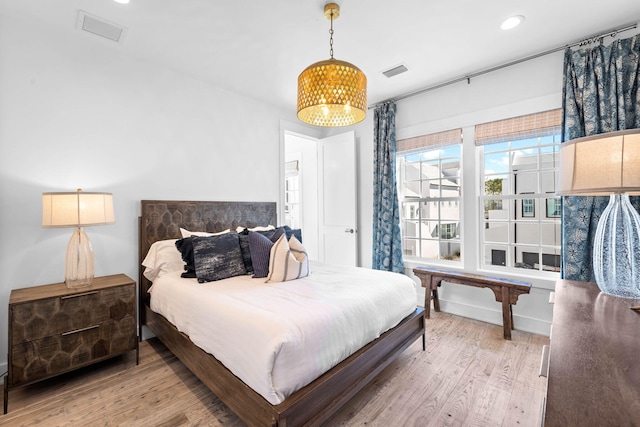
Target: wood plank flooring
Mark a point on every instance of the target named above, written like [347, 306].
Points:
[468, 376]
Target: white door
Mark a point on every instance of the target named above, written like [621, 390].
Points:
[338, 199]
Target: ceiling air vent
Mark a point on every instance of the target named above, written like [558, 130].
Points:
[394, 71]
[100, 27]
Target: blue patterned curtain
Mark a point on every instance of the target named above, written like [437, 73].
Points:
[600, 94]
[387, 242]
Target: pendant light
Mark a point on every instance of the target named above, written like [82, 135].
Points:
[332, 93]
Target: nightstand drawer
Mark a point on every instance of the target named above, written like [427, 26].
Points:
[53, 316]
[49, 356]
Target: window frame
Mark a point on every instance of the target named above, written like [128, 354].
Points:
[524, 218]
[422, 201]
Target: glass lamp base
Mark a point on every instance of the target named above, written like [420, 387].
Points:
[616, 249]
[79, 261]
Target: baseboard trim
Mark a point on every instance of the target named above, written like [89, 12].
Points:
[521, 323]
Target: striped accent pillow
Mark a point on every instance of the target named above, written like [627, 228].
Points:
[288, 260]
[260, 248]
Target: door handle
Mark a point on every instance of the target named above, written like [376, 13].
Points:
[349, 230]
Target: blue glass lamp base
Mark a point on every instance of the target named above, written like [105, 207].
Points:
[616, 249]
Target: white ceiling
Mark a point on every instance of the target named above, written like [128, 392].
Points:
[258, 47]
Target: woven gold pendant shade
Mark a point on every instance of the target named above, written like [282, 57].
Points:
[332, 93]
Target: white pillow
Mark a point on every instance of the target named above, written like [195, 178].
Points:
[187, 233]
[258, 228]
[288, 260]
[163, 257]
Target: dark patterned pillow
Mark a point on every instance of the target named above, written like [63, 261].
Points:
[185, 246]
[245, 250]
[260, 243]
[245, 247]
[217, 257]
[293, 232]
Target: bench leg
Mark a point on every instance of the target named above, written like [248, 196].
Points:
[436, 301]
[427, 304]
[511, 314]
[428, 296]
[506, 314]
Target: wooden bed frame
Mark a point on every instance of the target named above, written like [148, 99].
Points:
[311, 405]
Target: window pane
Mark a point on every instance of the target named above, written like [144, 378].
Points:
[525, 258]
[450, 251]
[429, 249]
[431, 188]
[496, 209]
[526, 182]
[496, 185]
[410, 210]
[501, 146]
[527, 232]
[496, 163]
[410, 247]
[496, 232]
[411, 189]
[411, 171]
[430, 170]
[548, 181]
[496, 255]
[410, 229]
[525, 160]
[451, 151]
[550, 234]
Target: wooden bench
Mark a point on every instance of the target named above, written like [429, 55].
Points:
[506, 291]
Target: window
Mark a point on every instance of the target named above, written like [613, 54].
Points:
[292, 194]
[429, 192]
[520, 215]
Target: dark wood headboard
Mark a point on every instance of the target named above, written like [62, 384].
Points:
[162, 220]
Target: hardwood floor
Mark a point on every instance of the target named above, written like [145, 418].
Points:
[468, 376]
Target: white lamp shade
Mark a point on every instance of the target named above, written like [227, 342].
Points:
[77, 209]
[600, 165]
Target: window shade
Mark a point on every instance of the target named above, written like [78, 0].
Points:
[439, 139]
[529, 126]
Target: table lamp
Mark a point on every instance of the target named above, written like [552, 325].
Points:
[608, 164]
[79, 210]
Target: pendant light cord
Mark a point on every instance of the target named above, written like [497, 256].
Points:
[331, 37]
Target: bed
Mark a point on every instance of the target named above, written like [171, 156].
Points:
[312, 404]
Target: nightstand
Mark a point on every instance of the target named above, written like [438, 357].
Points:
[54, 329]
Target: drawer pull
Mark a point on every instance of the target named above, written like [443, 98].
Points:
[80, 330]
[544, 362]
[79, 295]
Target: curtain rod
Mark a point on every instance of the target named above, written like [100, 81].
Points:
[468, 77]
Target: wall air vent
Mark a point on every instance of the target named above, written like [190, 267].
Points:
[394, 71]
[100, 27]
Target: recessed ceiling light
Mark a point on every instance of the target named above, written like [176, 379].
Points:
[512, 22]
[122, 1]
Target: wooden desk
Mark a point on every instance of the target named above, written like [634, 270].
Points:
[506, 291]
[594, 361]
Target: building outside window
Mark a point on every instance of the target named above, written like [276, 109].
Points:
[519, 211]
[430, 188]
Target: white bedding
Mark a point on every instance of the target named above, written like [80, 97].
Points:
[278, 337]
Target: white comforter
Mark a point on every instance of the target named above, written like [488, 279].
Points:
[278, 337]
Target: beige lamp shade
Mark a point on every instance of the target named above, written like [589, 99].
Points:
[601, 164]
[77, 209]
[332, 93]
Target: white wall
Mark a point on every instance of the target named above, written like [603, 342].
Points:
[522, 89]
[75, 112]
